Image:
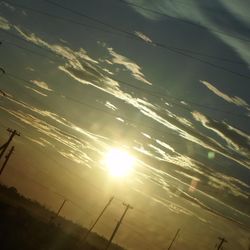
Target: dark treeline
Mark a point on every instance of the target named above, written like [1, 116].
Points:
[25, 225]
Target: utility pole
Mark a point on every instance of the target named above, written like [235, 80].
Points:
[5, 145]
[118, 224]
[98, 218]
[1, 69]
[58, 211]
[6, 159]
[173, 240]
[222, 241]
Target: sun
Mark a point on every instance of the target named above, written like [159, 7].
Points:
[119, 162]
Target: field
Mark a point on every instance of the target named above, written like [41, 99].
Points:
[25, 224]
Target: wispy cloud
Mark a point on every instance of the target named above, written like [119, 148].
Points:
[36, 91]
[134, 68]
[234, 139]
[226, 184]
[37, 141]
[66, 144]
[235, 16]
[4, 24]
[231, 99]
[74, 58]
[170, 121]
[86, 70]
[143, 37]
[41, 84]
[110, 105]
[7, 5]
[29, 68]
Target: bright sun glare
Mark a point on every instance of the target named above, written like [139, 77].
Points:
[119, 162]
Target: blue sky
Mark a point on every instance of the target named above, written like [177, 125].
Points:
[165, 80]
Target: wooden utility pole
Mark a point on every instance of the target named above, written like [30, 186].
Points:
[173, 240]
[222, 241]
[98, 218]
[5, 145]
[1, 69]
[58, 211]
[6, 159]
[118, 224]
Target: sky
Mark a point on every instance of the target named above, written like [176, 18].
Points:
[166, 81]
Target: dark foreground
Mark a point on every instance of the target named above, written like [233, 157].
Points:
[24, 224]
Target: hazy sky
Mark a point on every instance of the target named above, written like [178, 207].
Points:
[167, 81]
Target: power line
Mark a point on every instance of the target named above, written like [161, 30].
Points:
[90, 185]
[189, 3]
[222, 240]
[107, 113]
[127, 207]
[128, 34]
[139, 210]
[223, 59]
[114, 115]
[125, 118]
[181, 20]
[96, 20]
[58, 17]
[215, 57]
[149, 92]
[29, 50]
[33, 44]
[164, 46]
[64, 198]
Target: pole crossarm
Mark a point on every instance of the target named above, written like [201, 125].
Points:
[127, 207]
[4, 147]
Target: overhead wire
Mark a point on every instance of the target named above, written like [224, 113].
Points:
[109, 32]
[164, 46]
[120, 200]
[137, 127]
[63, 196]
[178, 19]
[13, 76]
[91, 186]
[128, 34]
[101, 110]
[113, 27]
[142, 212]
[28, 50]
[134, 36]
[114, 115]
[75, 204]
[147, 91]
[42, 55]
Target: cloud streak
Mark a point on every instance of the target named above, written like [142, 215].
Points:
[230, 99]
[143, 37]
[4, 24]
[41, 84]
[134, 68]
